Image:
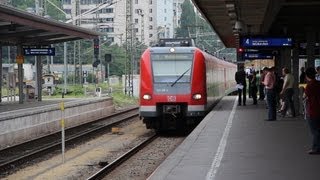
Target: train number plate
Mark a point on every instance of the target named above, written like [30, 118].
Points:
[171, 98]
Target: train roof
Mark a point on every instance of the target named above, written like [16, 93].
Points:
[175, 49]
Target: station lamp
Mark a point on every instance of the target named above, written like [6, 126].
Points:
[240, 50]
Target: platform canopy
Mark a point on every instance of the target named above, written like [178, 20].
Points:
[22, 28]
[260, 17]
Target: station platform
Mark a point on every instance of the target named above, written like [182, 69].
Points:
[6, 105]
[30, 120]
[234, 142]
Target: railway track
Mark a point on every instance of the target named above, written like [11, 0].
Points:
[16, 156]
[117, 162]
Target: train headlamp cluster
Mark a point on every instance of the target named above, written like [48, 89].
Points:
[146, 97]
[197, 96]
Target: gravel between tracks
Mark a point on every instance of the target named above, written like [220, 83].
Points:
[85, 159]
[141, 165]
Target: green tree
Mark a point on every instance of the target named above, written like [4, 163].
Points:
[117, 66]
[49, 9]
[188, 20]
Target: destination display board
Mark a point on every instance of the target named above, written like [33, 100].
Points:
[266, 42]
[39, 51]
[257, 56]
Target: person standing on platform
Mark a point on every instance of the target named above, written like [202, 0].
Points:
[312, 96]
[254, 87]
[269, 82]
[261, 85]
[249, 75]
[302, 78]
[287, 92]
[240, 78]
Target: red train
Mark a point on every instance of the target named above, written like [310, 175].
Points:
[178, 85]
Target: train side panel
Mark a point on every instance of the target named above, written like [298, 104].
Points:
[220, 78]
[197, 107]
[147, 107]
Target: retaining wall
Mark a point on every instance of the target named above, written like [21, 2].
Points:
[27, 124]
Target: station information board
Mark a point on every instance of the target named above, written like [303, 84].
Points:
[39, 51]
[266, 42]
[257, 56]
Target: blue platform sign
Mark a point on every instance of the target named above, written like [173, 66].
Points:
[39, 51]
[257, 56]
[266, 42]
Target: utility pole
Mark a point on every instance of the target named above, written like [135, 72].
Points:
[129, 43]
[75, 11]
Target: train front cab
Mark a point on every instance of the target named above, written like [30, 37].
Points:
[173, 92]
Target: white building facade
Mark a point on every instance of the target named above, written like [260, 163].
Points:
[151, 19]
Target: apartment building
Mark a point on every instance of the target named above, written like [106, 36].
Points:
[151, 19]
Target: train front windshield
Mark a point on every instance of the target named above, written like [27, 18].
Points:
[172, 68]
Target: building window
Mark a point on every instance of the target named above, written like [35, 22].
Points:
[150, 18]
[150, 27]
[111, 39]
[136, 21]
[106, 10]
[109, 19]
[136, 2]
[84, 10]
[109, 29]
[150, 35]
[136, 30]
[165, 18]
[165, 10]
[67, 2]
[150, 1]
[67, 11]
[150, 10]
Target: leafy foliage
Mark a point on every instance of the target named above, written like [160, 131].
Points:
[194, 25]
[188, 20]
[53, 12]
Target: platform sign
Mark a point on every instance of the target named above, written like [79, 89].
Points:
[39, 51]
[257, 56]
[266, 42]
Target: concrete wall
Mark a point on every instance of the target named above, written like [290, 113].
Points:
[26, 124]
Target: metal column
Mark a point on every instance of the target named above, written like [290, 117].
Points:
[0, 73]
[295, 73]
[311, 39]
[20, 76]
[39, 77]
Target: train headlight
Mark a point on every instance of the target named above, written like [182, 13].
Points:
[146, 97]
[197, 96]
[172, 50]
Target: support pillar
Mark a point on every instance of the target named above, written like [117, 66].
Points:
[285, 60]
[311, 39]
[297, 96]
[39, 77]
[0, 73]
[20, 76]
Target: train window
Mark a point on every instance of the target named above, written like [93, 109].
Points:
[169, 67]
[166, 57]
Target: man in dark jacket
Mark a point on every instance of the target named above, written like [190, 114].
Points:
[312, 109]
[240, 78]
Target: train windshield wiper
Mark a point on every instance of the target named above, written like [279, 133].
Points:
[180, 77]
